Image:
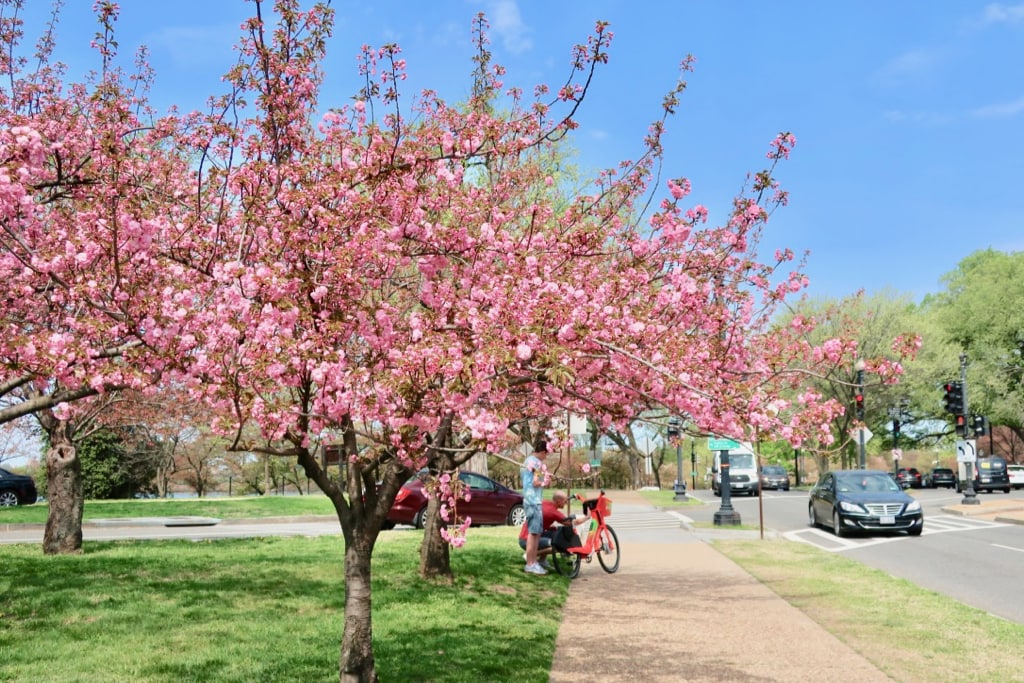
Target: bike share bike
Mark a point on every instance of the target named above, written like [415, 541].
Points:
[601, 541]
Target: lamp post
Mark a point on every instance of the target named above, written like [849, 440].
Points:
[859, 399]
[726, 515]
[675, 425]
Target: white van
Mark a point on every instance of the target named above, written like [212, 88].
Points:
[743, 477]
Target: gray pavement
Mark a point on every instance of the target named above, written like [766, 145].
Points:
[678, 610]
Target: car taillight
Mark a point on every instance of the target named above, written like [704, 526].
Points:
[403, 493]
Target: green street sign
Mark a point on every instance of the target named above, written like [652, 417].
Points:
[716, 444]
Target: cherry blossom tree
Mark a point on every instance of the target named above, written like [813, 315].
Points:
[408, 283]
[396, 275]
[84, 177]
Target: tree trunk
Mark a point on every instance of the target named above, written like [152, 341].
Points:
[435, 557]
[635, 471]
[356, 664]
[63, 535]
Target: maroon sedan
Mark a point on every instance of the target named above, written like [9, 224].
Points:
[490, 503]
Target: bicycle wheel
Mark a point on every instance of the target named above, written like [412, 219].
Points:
[608, 550]
[566, 564]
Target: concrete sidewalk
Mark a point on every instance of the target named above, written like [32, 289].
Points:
[678, 610]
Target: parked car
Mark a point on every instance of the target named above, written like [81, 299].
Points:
[909, 477]
[852, 501]
[774, 477]
[1016, 474]
[16, 489]
[943, 477]
[490, 503]
[990, 474]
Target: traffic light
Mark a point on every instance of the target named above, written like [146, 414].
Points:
[979, 424]
[961, 425]
[954, 399]
[859, 403]
[675, 427]
[895, 428]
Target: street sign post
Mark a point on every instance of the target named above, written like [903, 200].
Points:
[863, 434]
[965, 451]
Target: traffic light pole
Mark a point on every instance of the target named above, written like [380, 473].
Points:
[970, 496]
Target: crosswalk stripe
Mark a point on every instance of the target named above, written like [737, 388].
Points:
[643, 520]
[939, 524]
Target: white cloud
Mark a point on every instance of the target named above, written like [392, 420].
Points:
[998, 13]
[507, 24]
[916, 117]
[1000, 111]
[910, 65]
[195, 46]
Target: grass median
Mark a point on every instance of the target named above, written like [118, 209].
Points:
[242, 507]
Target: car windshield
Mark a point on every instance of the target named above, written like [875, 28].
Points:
[873, 482]
[773, 469]
[741, 461]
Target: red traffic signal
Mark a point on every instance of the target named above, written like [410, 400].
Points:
[961, 425]
[954, 398]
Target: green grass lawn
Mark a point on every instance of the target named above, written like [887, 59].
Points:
[270, 610]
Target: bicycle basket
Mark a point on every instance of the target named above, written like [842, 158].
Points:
[603, 505]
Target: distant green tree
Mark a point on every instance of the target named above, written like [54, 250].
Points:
[873, 321]
[981, 314]
[113, 465]
[103, 473]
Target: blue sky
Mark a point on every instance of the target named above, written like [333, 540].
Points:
[908, 115]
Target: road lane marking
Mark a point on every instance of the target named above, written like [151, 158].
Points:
[1009, 547]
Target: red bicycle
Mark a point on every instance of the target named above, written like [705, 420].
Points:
[601, 541]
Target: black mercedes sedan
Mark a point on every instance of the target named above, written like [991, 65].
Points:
[861, 501]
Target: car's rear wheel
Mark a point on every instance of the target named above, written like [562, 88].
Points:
[8, 499]
[516, 516]
[420, 519]
[837, 525]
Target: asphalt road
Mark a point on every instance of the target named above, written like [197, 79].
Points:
[971, 559]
